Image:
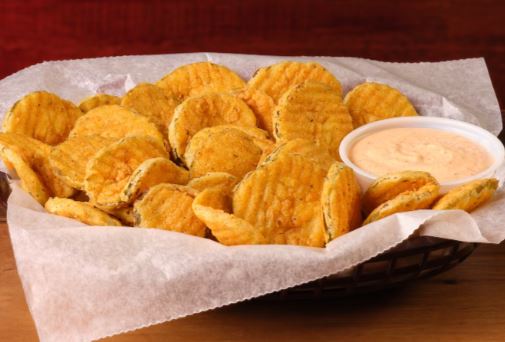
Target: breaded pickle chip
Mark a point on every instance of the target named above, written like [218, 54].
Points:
[259, 136]
[152, 172]
[468, 196]
[41, 165]
[217, 149]
[98, 100]
[27, 147]
[261, 104]
[306, 148]
[196, 78]
[36, 155]
[210, 109]
[23, 145]
[69, 159]
[212, 206]
[110, 169]
[149, 100]
[282, 198]
[369, 101]
[115, 122]
[80, 211]
[391, 185]
[30, 181]
[125, 215]
[168, 206]
[276, 79]
[312, 111]
[341, 201]
[421, 198]
[214, 179]
[43, 116]
[256, 133]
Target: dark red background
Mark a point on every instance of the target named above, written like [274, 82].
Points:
[32, 31]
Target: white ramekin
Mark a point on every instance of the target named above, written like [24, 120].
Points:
[472, 132]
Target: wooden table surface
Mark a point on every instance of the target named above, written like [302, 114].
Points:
[466, 303]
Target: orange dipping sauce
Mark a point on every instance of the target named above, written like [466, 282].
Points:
[447, 156]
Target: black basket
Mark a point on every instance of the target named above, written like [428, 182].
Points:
[414, 259]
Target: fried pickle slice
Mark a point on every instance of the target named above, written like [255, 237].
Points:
[260, 137]
[152, 172]
[197, 78]
[80, 211]
[210, 109]
[124, 214]
[391, 185]
[306, 148]
[108, 172]
[468, 196]
[421, 198]
[213, 179]
[282, 198]
[23, 145]
[28, 147]
[43, 116]
[36, 154]
[30, 181]
[70, 158]
[256, 133]
[41, 165]
[151, 101]
[276, 79]
[218, 149]
[98, 100]
[312, 111]
[115, 122]
[212, 206]
[168, 206]
[261, 104]
[369, 101]
[340, 199]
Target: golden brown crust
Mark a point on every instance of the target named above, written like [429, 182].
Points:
[312, 111]
[168, 206]
[276, 79]
[369, 101]
[197, 78]
[153, 102]
[43, 116]
[340, 199]
[110, 169]
[282, 198]
[98, 100]
[468, 196]
[115, 122]
[210, 109]
[80, 211]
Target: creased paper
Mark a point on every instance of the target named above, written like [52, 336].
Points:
[84, 283]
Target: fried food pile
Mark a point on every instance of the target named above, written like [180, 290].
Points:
[205, 153]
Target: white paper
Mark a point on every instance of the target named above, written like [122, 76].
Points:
[84, 283]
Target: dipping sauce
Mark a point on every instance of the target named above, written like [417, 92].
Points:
[446, 155]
